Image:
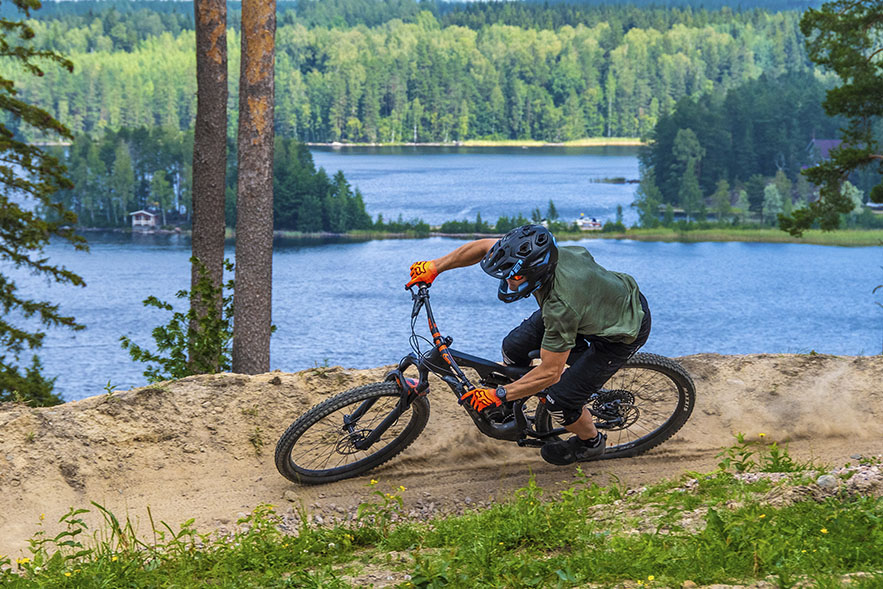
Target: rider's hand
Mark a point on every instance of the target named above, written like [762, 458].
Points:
[481, 399]
[422, 272]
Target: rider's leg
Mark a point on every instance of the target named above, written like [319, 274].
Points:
[523, 340]
[565, 400]
[583, 427]
[528, 337]
[594, 367]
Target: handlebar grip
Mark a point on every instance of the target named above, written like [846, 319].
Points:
[419, 285]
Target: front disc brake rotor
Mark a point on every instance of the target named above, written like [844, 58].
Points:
[347, 444]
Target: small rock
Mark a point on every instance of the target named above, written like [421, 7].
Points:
[828, 482]
[689, 585]
[856, 456]
[276, 380]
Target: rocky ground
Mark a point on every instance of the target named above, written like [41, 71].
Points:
[202, 447]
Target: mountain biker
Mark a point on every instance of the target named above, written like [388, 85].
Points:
[590, 319]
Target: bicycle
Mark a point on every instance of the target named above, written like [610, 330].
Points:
[645, 403]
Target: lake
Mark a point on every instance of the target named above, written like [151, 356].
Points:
[340, 302]
[441, 184]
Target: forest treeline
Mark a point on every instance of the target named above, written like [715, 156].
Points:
[607, 71]
[738, 157]
[151, 169]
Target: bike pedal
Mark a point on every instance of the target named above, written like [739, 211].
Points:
[530, 443]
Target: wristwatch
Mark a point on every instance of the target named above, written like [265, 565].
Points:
[501, 394]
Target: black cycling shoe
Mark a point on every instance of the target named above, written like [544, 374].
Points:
[572, 450]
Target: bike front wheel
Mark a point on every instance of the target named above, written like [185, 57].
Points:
[322, 446]
[644, 404]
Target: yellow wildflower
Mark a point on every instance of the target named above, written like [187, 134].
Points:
[401, 489]
[824, 530]
[650, 577]
[373, 482]
[761, 435]
[24, 560]
[42, 516]
[762, 515]
[113, 559]
[67, 574]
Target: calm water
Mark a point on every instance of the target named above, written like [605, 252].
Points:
[344, 303]
[444, 184]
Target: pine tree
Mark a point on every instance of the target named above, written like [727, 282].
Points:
[845, 36]
[29, 176]
[254, 224]
[209, 163]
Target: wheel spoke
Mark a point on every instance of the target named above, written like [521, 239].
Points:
[327, 445]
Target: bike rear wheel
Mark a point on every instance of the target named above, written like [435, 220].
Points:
[319, 447]
[644, 404]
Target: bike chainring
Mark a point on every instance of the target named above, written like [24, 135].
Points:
[616, 408]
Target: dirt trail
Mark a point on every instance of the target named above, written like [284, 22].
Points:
[202, 447]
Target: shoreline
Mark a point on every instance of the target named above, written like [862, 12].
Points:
[839, 238]
[523, 143]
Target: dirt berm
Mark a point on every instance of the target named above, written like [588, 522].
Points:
[202, 447]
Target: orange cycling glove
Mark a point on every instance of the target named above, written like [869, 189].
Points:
[481, 399]
[422, 272]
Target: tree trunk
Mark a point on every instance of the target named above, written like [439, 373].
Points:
[209, 151]
[254, 201]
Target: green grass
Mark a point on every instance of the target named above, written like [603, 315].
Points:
[706, 528]
[842, 237]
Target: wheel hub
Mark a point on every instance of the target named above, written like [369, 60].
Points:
[347, 444]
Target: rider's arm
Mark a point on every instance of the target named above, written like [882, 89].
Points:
[465, 255]
[552, 364]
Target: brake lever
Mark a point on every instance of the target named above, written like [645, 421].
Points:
[418, 297]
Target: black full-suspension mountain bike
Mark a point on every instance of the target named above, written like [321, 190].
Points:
[645, 403]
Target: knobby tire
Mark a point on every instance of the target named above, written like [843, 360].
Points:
[317, 448]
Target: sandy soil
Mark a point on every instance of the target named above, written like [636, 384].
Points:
[202, 447]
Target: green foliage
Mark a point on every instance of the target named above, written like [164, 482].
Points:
[755, 129]
[206, 335]
[846, 37]
[378, 515]
[616, 226]
[414, 227]
[142, 168]
[391, 71]
[29, 176]
[32, 387]
[128, 170]
[505, 224]
[756, 456]
[704, 528]
[479, 226]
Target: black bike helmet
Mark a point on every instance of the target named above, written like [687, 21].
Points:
[529, 251]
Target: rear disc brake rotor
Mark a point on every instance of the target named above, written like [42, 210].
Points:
[616, 407]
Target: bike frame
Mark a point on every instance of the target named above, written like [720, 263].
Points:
[445, 362]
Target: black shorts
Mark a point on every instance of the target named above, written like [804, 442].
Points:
[592, 361]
